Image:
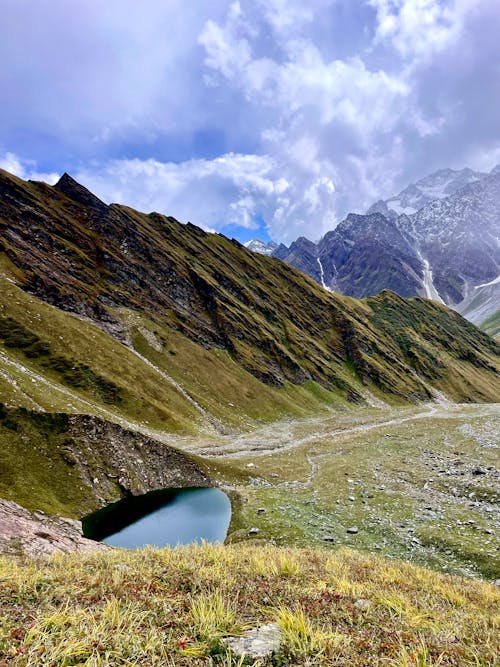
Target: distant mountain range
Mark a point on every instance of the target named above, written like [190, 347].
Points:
[150, 278]
[261, 247]
[438, 238]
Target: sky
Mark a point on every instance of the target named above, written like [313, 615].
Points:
[259, 118]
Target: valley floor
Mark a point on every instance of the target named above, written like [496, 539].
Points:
[420, 483]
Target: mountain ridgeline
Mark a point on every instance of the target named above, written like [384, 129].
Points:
[438, 238]
[103, 263]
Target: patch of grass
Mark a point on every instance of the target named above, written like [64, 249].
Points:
[172, 606]
[72, 373]
[213, 615]
[491, 326]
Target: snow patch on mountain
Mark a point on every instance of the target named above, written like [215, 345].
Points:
[492, 282]
[322, 275]
[440, 184]
[256, 245]
[429, 287]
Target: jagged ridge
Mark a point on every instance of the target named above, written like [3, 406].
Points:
[75, 252]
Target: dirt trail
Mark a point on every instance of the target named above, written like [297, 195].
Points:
[213, 421]
[284, 436]
[87, 407]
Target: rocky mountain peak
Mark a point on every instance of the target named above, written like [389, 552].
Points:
[78, 193]
[437, 238]
[256, 245]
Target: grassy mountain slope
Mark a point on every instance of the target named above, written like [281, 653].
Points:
[114, 265]
[491, 326]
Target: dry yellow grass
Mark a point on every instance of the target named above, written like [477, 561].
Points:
[174, 606]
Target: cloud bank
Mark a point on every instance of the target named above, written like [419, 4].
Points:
[228, 114]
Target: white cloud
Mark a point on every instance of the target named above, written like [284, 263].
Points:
[306, 98]
[301, 111]
[421, 28]
[229, 190]
[26, 169]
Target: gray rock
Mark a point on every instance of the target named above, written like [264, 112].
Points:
[36, 534]
[351, 498]
[353, 530]
[253, 531]
[479, 471]
[258, 643]
[328, 538]
[362, 604]
[261, 510]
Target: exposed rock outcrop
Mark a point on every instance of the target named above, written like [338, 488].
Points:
[35, 534]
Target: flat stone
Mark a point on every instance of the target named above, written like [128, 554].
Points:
[328, 538]
[253, 531]
[351, 498]
[258, 644]
[261, 510]
[362, 604]
[353, 530]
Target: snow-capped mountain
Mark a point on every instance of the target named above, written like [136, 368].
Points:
[447, 249]
[415, 196]
[256, 245]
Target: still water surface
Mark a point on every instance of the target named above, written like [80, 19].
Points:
[162, 518]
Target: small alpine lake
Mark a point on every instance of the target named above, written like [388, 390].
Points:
[162, 518]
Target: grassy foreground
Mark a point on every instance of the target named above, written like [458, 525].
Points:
[173, 607]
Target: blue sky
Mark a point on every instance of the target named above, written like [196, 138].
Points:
[268, 118]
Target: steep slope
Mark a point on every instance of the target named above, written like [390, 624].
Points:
[481, 302]
[367, 254]
[115, 266]
[459, 236]
[74, 464]
[446, 250]
[492, 325]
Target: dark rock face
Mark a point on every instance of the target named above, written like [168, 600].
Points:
[117, 462]
[73, 190]
[303, 255]
[450, 220]
[369, 253]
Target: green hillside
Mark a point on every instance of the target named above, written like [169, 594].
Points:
[174, 290]
[491, 326]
